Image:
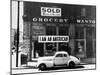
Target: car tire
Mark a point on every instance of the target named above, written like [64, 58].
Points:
[42, 67]
[71, 64]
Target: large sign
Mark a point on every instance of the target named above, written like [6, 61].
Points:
[52, 39]
[48, 11]
[50, 20]
[63, 20]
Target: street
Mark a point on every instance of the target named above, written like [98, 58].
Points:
[30, 70]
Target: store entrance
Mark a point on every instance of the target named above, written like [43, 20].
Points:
[80, 48]
[38, 49]
[80, 42]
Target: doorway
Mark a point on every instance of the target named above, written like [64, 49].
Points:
[38, 49]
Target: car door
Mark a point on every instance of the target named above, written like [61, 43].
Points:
[65, 58]
[58, 59]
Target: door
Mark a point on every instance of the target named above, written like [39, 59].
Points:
[38, 49]
[80, 50]
[65, 58]
[58, 59]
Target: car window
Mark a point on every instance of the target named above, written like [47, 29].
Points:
[59, 55]
[65, 55]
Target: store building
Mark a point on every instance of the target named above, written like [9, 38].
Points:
[51, 27]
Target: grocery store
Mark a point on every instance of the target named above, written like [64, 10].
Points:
[51, 27]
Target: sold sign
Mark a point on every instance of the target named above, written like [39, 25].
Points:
[48, 11]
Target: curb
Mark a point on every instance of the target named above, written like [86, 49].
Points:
[25, 67]
[86, 63]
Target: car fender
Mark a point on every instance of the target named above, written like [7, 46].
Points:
[71, 60]
[47, 63]
[74, 59]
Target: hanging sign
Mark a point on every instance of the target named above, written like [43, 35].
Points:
[52, 39]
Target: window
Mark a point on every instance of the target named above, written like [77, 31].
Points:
[79, 33]
[65, 55]
[59, 55]
[50, 30]
[63, 30]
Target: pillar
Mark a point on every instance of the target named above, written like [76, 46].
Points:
[71, 38]
[30, 51]
[85, 41]
[57, 33]
[44, 44]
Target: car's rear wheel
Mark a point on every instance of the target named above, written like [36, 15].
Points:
[71, 64]
[42, 67]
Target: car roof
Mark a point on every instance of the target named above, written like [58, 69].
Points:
[61, 52]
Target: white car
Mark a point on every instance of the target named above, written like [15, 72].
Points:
[60, 58]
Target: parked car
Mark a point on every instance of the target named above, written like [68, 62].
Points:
[60, 58]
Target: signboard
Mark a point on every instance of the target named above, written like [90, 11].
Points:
[38, 30]
[53, 39]
[85, 21]
[50, 20]
[48, 11]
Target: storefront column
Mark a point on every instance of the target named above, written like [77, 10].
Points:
[85, 41]
[30, 51]
[57, 33]
[44, 48]
[44, 44]
[94, 42]
[71, 38]
[33, 50]
[94, 47]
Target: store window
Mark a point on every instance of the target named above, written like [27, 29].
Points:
[79, 32]
[63, 31]
[50, 47]
[80, 41]
[91, 42]
[80, 49]
[51, 30]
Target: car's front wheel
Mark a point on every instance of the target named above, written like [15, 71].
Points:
[71, 64]
[42, 67]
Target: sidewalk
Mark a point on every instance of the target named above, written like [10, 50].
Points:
[23, 67]
[23, 71]
[88, 60]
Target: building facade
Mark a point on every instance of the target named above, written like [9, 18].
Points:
[51, 27]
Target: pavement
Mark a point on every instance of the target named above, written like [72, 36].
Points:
[88, 60]
[24, 70]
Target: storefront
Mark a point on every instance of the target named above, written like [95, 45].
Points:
[51, 27]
